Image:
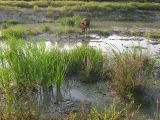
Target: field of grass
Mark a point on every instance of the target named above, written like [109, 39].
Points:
[69, 6]
[74, 4]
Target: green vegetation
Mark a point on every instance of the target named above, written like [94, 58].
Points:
[16, 33]
[8, 23]
[88, 64]
[46, 28]
[4, 25]
[36, 8]
[152, 35]
[13, 21]
[70, 21]
[114, 111]
[50, 11]
[129, 71]
[21, 31]
[28, 64]
[75, 5]
[29, 71]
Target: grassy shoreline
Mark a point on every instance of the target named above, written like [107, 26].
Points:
[75, 5]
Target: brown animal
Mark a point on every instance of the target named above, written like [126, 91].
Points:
[85, 23]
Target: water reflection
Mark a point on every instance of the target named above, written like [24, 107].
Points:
[121, 43]
[112, 42]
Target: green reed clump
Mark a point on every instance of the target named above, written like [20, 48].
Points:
[59, 62]
[87, 62]
[50, 11]
[36, 8]
[152, 35]
[12, 92]
[46, 28]
[16, 33]
[5, 25]
[70, 21]
[13, 21]
[28, 63]
[129, 72]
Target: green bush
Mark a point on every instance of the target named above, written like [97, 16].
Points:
[36, 8]
[49, 11]
[16, 33]
[5, 25]
[70, 21]
[13, 21]
[45, 28]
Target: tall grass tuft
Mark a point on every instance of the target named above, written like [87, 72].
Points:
[5, 25]
[46, 28]
[129, 71]
[50, 11]
[70, 21]
[10, 33]
[87, 62]
[114, 111]
[36, 8]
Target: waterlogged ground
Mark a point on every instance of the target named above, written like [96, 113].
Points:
[95, 93]
[80, 97]
[115, 37]
[112, 42]
[78, 94]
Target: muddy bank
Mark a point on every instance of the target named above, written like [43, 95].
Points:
[28, 15]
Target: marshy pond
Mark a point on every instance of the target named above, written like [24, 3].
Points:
[51, 69]
[113, 42]
[79, 96]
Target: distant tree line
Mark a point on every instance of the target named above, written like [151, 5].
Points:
[121, 0]
[94, 0]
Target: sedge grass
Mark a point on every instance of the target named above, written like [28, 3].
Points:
[112, 5]
[70, 21]
[31, 64]
[129, 72]
[77, 62]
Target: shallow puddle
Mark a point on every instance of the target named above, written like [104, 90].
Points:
[121, 43]
[97, 93]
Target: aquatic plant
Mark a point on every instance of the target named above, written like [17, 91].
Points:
[129, 71]
[31, 64]
[113, 111]
[36, 8]
[89, 70]
[45, 28]
[70, 21]
[5, 25]
[17, 33]
[50, 11]
[13, 21]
